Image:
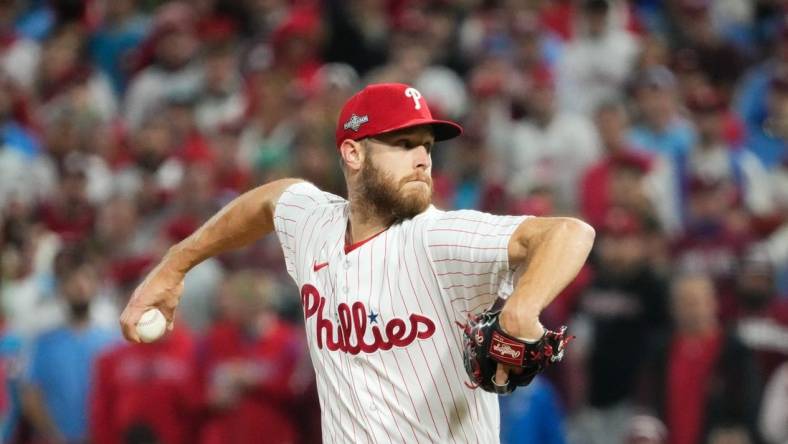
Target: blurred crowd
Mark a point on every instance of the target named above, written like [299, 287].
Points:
[126, 123]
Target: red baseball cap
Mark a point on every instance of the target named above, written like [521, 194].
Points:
[385, 107]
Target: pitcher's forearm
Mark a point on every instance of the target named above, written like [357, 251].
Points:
[243, 221]
[553, 251]
[553, 262]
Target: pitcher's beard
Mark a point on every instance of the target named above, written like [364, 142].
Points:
[380, 196]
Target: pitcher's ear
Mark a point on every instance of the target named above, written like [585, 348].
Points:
[352, 153]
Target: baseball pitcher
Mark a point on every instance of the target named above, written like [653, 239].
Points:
[399, 297]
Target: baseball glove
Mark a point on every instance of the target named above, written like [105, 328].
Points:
[486, 345]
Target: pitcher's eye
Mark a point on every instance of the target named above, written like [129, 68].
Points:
[410, 144]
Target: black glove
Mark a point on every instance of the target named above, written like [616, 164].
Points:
[487, 345]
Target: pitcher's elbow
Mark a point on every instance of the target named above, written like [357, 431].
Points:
[582, 231]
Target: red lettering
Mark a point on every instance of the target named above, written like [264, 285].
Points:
[378, 342]
[395, 330]
[310, 298]
[352, 322]
[347, 329]
[416, 319]
[324, 326]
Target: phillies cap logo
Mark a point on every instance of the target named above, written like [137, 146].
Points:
[355, 122]
[414, 94]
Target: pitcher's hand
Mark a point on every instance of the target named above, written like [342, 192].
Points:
[518, 325]
[161, 289]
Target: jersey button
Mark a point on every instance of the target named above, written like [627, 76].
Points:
[344, 290]
[346, 264]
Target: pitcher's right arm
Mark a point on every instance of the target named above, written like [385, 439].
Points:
[243, 221]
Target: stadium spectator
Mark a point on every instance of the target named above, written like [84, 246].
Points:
[767, 137]
[59, 373]
[150, 385]
[122, 239]
[231, 175]
[700, 379]
[547, 141]
[66, 76]
[189, 142]
[295, 45]
[153, 170]
[660, 128]
[27, 173]
[758, 314]
[222, 103]
[14, 115]
[714, 159]
[250, 365]
[25, 287]
[311, 159]
[618, 179]
[68, 212]
[718, 232]
[625, 304]
[695, 29]
[358, 33]
[19, 55]
[266, 142]
[536, 47]
[171, 47]
[413, 61]
[598, 62]
[113, 44]
[754, 98]
[470, 185]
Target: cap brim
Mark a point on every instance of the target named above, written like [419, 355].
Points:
[442, 129]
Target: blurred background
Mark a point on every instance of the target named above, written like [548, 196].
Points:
[126, 123]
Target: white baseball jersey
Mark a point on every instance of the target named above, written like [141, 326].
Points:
[381, 317]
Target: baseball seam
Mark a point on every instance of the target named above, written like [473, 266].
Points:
[145, 323]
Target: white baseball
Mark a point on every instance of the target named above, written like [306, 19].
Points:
[151, 325]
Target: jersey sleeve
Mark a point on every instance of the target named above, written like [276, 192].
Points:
[294, 205]
[470, 256]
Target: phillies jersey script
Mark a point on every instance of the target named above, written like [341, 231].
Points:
[381, 316]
